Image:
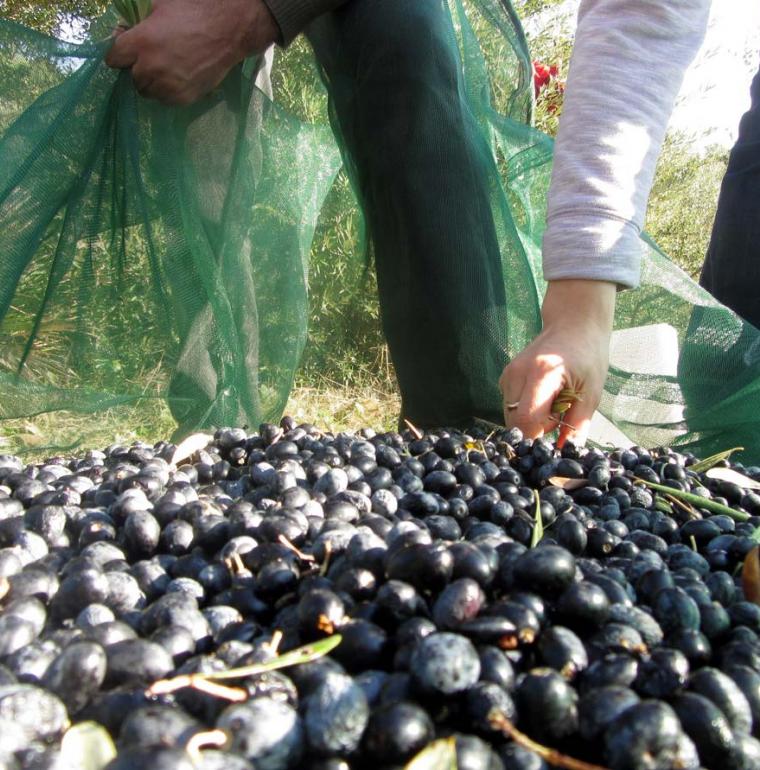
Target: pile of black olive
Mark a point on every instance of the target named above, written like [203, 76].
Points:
[623, 638]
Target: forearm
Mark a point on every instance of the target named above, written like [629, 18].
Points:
[627, 67]
[292, 16]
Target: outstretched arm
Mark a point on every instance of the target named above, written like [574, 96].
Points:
[627, 67]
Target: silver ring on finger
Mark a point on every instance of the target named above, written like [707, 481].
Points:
[512, 407]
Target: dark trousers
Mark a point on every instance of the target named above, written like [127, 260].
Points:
[419, 165]
[731, 272]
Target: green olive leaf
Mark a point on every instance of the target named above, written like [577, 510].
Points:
[709, 462]
[127, 10]
[663, 506]
[144, 8]
[305, 654]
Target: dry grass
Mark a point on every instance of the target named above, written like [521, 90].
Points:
[331, 407]
[71, 433]
[340, 408]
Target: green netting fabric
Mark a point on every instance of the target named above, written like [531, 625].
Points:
[184, 235]
[145, 244]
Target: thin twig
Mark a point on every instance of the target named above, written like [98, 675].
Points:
[682, 505]
[553, 757]
[561, 423]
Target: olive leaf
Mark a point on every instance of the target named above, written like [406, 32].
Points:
[709, 462]
[727, 474]
[144, 8]
[567, 484]
[133, 11]
[438, 755]
[565, 399]
[663, 506]
[126, 10]
[87, 746]
[751, 576]
[189, 446]
[305, 654]
[538, 526]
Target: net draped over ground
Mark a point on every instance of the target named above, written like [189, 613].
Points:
[153, 251]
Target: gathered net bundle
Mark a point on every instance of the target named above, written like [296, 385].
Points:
[156, 252]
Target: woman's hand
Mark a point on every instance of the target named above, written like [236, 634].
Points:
[572, 352]
[185, 48]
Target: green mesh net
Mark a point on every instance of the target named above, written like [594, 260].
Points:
[161, 252]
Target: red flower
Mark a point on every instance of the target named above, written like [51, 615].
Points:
[543, 75]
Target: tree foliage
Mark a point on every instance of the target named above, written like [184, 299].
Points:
[683, 200]
[47, 16]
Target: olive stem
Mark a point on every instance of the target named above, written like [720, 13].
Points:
[551, 756]
[211, 739]
[197, 682]
[326, 563]
[416, 432]
[291, 547]
[274, 645]
[235, 564]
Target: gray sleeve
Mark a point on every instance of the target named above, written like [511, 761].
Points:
[292, 16]
[627, 67]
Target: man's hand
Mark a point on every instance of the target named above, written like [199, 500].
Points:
[572, 352]
[185, 48]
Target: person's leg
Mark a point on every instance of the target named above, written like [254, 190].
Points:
[421, 170]
[731, 272]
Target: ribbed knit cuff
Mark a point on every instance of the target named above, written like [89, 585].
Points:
[292, 16]
[582, 245]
